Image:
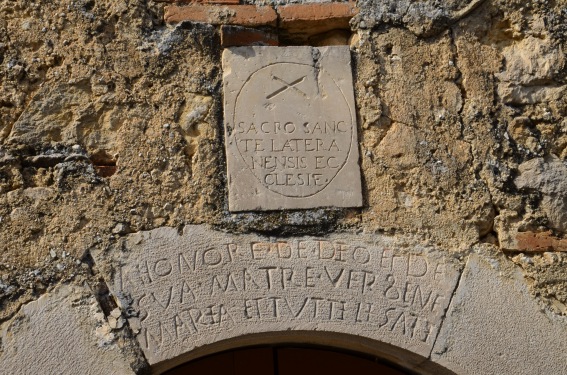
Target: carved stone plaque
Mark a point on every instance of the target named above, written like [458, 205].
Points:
[203, 286]
[290, 126]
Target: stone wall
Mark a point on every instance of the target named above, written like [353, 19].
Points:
[111, 127]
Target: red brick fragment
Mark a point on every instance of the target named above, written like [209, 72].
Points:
[246, 15]
[235, 36]
[539, 242]
[330, 15]
[199, 1]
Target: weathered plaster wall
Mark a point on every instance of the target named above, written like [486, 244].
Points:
[111, 123]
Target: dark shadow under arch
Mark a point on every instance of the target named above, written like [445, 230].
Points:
[286, 360]
[388, 356]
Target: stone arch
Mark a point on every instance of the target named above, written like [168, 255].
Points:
[403, 358]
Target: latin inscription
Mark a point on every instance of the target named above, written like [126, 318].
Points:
[301, 152]
[285, 154]
[189, 291]
[290, 129]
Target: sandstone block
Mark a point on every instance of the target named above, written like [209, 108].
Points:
[185, 291]
[331, 38]
[492, 317]
[548, 176]
[290, 128]
[60, 333]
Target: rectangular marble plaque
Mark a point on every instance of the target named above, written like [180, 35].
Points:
[290, 128]
[183, 291]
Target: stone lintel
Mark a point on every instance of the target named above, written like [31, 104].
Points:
[183, 292]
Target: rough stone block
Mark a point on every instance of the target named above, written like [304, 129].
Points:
[245, 15]
[63, 332]
[186, 291]
[549, 177]
[494, 326]
[290, 128]
[331, 38]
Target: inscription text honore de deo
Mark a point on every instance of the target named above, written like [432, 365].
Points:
[183, 294]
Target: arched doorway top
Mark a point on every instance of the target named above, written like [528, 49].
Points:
[402, 359]
[287, 360]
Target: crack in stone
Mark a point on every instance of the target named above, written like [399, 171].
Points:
[107, 302]
[459, 83]
[449, 306]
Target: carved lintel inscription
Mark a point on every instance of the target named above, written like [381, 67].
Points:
[183, 291]
[290, 128]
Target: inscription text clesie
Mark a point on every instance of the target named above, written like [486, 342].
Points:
[324, 143]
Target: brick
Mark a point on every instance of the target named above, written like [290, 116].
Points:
[199, 1]
[538, 242]
[246, 15]
[236, 36]
[334, 15]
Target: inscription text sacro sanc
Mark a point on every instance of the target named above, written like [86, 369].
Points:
[288, 154]
[285, 132]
